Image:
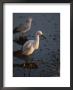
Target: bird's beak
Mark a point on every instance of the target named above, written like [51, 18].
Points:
[44, 36]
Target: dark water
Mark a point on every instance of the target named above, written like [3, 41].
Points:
[45, 62]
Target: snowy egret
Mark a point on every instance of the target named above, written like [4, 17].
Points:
[24, 27]
[31, 45]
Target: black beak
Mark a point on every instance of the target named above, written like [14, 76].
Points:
[44, 37]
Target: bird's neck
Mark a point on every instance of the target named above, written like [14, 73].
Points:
[37, 38]
[37, 41]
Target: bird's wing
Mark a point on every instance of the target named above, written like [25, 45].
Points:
[27, 45]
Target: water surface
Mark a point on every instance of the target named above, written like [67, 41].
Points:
[45, 62]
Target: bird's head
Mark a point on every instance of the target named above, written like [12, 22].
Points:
[40, 33]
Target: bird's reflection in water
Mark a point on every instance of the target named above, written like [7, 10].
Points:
[28, 64]
[27, 59]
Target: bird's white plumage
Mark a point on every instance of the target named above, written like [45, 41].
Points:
[30, 46]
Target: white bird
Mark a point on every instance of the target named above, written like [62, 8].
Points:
[24, 27]
[31, 45]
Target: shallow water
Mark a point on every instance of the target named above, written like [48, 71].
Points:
[45, 62]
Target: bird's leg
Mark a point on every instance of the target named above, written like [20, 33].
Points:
[30, 59]
[30, 63]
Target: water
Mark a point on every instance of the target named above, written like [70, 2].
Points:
[45, 62]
